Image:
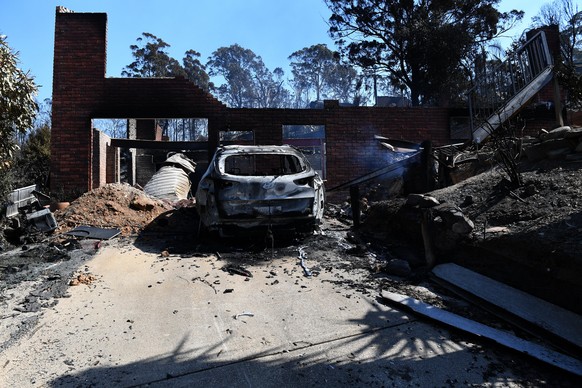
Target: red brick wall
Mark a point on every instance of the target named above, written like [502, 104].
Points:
[78, 73]
[352, 150]
[101, 143]
[81, 92]
[113, 167]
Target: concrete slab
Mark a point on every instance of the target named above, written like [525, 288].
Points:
[155, 321]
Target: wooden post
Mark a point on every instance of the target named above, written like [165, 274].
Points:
[427, 168]
[355, 202]
[558, 103]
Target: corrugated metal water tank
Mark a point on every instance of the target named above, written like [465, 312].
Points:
[172, 181]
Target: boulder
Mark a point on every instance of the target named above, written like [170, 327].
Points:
[454, 219]
[142, 203]
[556, 133]
[421, 200]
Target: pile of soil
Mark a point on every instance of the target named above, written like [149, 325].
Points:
[114, 205]
[527, 237]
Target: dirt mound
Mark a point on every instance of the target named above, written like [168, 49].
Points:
[114, 205]
[527, 237]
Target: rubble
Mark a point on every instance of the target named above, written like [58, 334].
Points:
[82, 279]
[558, 143]
[114, 205]
[499, 229]
[536, 226]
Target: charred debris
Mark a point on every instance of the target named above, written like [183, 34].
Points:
[407, 182]
[509, 206]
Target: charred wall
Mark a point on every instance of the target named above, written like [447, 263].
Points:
[82, 92]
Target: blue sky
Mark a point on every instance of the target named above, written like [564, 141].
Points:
[273, 29]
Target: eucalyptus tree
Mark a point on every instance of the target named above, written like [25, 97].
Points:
[195, 70]
[18, 107]
[418, 44]
[568, 17]
[151, 59]
[248, 83]
[319, 73]
[312, 67]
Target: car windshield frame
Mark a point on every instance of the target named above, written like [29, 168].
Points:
[258, 164]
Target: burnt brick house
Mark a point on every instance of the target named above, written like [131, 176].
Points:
[83, 158]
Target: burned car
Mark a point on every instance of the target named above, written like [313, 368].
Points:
[259, 187]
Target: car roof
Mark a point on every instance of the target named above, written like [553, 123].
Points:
[258, 149]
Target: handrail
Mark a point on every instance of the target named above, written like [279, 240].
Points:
[494, 89]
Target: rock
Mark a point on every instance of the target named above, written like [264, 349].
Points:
[530, 190]
[408, 254]
[428, 202]
[413, 199]
[497, 229]
[454, 219]
[114, 207]
[556, 133]
[464, 226]
[142, 203]
[421, 200]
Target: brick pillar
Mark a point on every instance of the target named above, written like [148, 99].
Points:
[147, 130]
[78, 85]
[113, 168]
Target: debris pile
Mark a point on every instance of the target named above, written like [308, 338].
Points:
[83, 279]
[560, 143]
[500, 229]
[114, 205]
[27, 217]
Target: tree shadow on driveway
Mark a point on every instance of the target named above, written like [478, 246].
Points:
[387, 351]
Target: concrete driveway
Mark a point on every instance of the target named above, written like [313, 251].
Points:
[183, 321]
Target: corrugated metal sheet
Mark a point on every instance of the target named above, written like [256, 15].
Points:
[182, 161]
[19, 198]
[170, 183]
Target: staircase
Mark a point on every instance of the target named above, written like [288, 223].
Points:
[499, 94]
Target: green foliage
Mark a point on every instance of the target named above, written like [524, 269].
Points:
[567, 16]
[312, 68]
[195, 70]
[17, 108]
[248, 82]
[33, 160]
[153, 60]
[318, 70]
[571, 80]
[419, 44]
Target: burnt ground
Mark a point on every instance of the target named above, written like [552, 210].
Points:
[527, 237]
[534, 245]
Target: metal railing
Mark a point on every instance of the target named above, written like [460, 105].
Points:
[494, 88]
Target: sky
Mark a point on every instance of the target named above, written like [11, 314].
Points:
[272, 29]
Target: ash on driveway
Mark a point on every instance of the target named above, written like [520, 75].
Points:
[183, 312]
